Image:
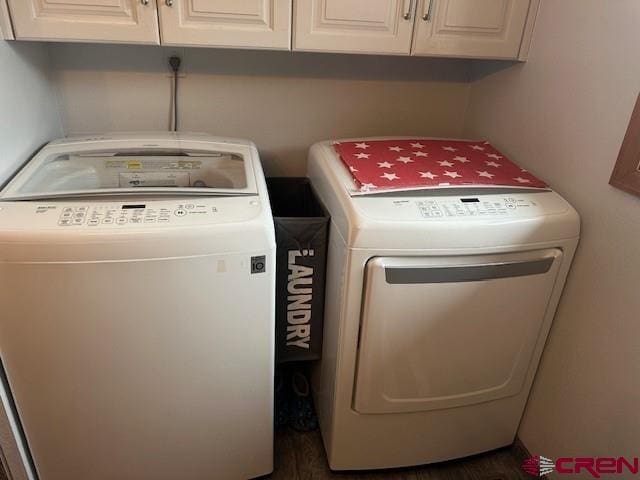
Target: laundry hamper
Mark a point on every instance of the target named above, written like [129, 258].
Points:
[302, 228]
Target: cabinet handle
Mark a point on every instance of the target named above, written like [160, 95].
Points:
[169, 3]
[144, 2]
[427, 16]
[407, 13]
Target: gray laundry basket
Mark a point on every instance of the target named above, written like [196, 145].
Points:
[302, 229]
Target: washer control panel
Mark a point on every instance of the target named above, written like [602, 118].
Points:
[73, 216]
[131, 213]
[138, 213]
[472, 207]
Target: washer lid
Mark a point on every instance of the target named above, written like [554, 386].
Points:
[169, 167]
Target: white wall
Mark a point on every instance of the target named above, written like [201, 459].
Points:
[29, 114]
[563, 115]
[29, 118]
[283, 101]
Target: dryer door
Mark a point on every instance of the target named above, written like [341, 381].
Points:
[442, 332]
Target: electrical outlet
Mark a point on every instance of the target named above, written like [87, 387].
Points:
[177, 52]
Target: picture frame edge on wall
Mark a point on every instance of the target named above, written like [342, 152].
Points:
[626, 173]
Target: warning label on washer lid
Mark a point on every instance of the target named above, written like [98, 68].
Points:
[153, 179]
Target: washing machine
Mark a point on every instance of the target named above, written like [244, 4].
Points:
[434, 322]
[137, 292]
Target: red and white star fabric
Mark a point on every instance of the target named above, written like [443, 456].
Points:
[384, 165]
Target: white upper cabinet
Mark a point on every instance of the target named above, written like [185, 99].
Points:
[500, 29]
[114, 21]
[226, 23]
[354, 26]
[470, 28]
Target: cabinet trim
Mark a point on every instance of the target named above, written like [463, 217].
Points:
[527, 35]
[6, 29]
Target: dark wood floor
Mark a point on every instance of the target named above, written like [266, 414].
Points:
[300, 456]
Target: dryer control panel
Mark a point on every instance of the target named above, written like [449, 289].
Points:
[461, 207]
[473, 206]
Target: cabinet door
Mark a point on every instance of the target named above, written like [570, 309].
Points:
[227, 23]
[115, 21]
[354, 26]
[470, 28]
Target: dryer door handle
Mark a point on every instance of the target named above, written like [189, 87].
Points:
[466, 273]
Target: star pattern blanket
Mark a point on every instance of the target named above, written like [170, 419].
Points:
[384, 165]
